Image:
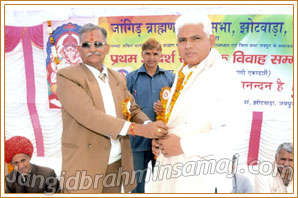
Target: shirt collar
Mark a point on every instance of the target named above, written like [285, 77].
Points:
[143, 69]
[186, 70]
[96, 72]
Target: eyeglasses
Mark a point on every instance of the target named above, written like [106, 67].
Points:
[96, 44]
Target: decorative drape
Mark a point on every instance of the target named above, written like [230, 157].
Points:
[254, 141]
[26, 90]
[13, 35]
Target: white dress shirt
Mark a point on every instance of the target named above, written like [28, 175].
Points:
[109, 105]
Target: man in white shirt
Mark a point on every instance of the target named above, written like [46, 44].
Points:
[281, 180]
[202, 113]
[96, 153]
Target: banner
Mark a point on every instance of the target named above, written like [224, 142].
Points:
[259, 47]
[127, 34]
[61, 39]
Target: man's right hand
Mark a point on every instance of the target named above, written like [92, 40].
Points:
[151, 130]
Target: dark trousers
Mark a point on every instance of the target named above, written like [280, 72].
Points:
[141, 160]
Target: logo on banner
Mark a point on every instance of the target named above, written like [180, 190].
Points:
[123, 70]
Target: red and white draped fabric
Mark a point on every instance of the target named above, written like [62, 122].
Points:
[26, 109]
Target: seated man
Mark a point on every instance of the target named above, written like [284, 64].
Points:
[27, 177]
[240, 183]
[281, 181]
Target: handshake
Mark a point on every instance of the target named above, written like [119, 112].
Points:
[151, 130]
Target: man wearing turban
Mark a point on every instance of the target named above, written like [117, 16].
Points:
[27, 177]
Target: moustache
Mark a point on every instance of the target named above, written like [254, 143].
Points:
[93, 53]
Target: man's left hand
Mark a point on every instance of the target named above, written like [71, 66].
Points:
[170, 145]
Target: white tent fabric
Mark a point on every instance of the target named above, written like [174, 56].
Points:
[28, 15]
[17, 118]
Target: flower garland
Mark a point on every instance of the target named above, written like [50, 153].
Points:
[179, 86]
[125, 108]
[9, 168]
[53, 47]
